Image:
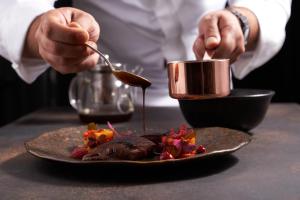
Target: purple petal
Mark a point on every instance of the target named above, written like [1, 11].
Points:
[188, 148]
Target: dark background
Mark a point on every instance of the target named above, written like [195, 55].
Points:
[280, 74]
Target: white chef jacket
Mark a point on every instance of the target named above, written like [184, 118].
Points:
[145, 33]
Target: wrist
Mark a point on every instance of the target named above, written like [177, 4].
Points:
[249, 25]
[244, 23]
[30, 49]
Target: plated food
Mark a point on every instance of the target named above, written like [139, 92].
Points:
[57, 145]
[109, 144]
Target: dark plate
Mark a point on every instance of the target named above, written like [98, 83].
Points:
[57, 145]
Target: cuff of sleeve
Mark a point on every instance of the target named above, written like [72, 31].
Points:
[271, 35]
[13, 37]
[30, 69]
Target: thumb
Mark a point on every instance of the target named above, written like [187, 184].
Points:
[77, 25]
[55, 30]
[211, 34]
[74, 24]
[87, 23]
[212, 42]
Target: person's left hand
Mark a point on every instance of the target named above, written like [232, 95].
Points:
[220, 35]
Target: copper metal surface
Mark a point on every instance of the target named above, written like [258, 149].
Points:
[199, 79]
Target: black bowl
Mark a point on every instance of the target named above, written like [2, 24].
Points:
[243, 109]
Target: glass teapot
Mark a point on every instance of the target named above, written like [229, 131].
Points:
[99, 97]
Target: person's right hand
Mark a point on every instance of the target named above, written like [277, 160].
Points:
[58, 37]
[221, 35]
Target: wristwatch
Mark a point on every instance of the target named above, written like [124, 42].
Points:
[243, 22]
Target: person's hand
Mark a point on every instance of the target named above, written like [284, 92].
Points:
[58, 37]
[221, 36]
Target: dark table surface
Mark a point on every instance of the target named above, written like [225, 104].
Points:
[267, 168]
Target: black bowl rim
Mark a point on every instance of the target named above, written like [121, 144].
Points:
[253, 93]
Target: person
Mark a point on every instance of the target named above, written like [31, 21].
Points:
[141, 32]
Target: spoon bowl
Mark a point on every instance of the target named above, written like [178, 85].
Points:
[131, 79]
[124, 76]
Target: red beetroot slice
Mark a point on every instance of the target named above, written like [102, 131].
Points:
[79, 152]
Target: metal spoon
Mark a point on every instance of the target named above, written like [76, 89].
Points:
[124, 76]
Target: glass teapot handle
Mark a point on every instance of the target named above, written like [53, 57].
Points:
[73, 92]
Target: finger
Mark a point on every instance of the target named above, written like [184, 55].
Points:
[227, 45]
[240, 46]
[239, 50]
[74, 25]
[63, 49]
[211, 42]
[84, 64]
[210, 53]
[199, 48]
[61, 64]
[209, 28]
[93, 44]
[55, 30]
[236, 54]
[88, 23]
[69, 65]
[89, 63]
[234, 57]
[223, 51]
[90, 42]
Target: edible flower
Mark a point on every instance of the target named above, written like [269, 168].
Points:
[92, 138]
[180, 144]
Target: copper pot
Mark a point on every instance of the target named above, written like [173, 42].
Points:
[199, 79]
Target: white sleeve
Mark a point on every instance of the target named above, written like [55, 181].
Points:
[272, 16]
[15, 19]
